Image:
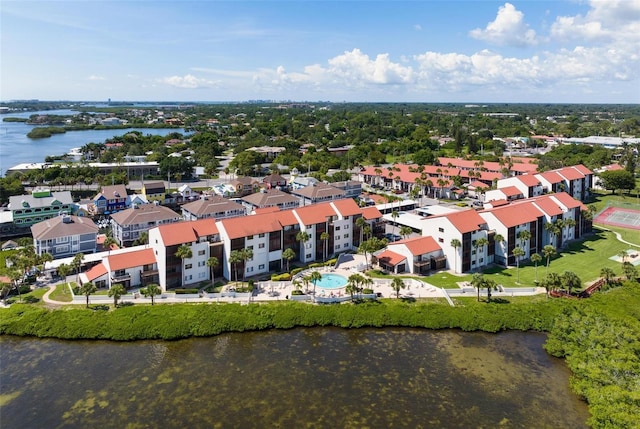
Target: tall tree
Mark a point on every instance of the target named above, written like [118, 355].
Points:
[548, 251]
[394, 216]
[76, 263]
[151, 291]
[607, 275]
[116, 292]
[396, 284]
[315, 277]
[360, 223]
[212, 263]
[536, 258]
[87, 289]
[405, 231]
[247, 255]
[325, 242]
[571, 280]
[478, 282]
[184, 252]
[234, 259]
[303, 237]
[288, 255]
[456, 244]
[518, 253]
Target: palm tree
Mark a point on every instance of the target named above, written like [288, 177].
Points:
[396, 284]
[325, 242]
[394, 216]
[607, 275]
[630, 272]
[63, 271]
[456, 244]
[116, 291]
[405, 231]
[247, 255]
[15, 275]
[108, 242]
[480, 244]
[478, 282]
[360, 223]
[184, 252]
[302, 237]
[151, 291]
[518, 253]
[44, 258]
[524, 236]
[87, 289]
[212, 263]
[499, 240]
[76, 263]
[143, 238]
[234, 259]
[552, 229]
[490, 284]
[552, 281]
[288, 255]
[623, 256]
[314, 278]
[569, 223]
[5, 288]
[571, 280]
[559, 225]
[535, 258]
[548, 251]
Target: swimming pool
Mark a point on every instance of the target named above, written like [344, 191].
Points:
[332, 281]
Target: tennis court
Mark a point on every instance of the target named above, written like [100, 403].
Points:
[616, 216]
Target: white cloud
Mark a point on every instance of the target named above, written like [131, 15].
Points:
[417, 27]
[95, 77]
[187, 81]
[508, 28]
[610, 21]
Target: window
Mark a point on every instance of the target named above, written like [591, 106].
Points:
[202, 275]
[261, 246]
[261, 235]
[187, 278]
[261, 267]
[346, 227]
[250, 237]
[249, 269]
[308, 256]
[441, 240]
[201, 263]
[440, 229]
[337, 228]
[188, 266]
[346, 236]
[201, 252]
[337, 246]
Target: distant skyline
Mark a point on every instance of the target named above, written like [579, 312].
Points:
[570, 51]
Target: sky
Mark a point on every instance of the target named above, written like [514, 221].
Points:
[534, 51]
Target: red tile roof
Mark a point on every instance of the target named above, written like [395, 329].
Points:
[267, 210]
[529, 180]
[418, 245]
[186, 232]
[516, 214]
[390, 258]
[96, 271]
[524, 168]
[316, 213]
[371, 213]
[551, 177]
[548, 205]
[570, 173]
[347, 207]
[245, 226]
[568, 201]
[466, 220]
[131, 259]
[582, 169]
[510, 191]
[498, 203]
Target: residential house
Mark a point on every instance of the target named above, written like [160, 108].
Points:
[127, 225]
[41, 205]
[270, 198]
[132, 269]
[508, 193]
[467, 227]
[111, 199]
[318, 193]
[418, 255]
[244, 186]
[203, 239]
[510, 221]
[212, 207]
[275, 181]
[64, 236]
[528, 184]
[154, 191]
[551, 182]
[352, 188]
[578, 181]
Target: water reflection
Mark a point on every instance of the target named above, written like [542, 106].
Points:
[316, 378]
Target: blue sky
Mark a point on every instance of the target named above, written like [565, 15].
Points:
[411, 51]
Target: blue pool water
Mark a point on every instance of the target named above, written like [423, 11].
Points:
[332, 281]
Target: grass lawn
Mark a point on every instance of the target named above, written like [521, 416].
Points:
[61, 293]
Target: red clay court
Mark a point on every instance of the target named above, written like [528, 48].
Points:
[616, 216]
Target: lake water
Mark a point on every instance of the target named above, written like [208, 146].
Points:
[318, 378]
[16, 148]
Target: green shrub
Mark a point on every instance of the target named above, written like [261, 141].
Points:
[331, 262]
[367, 291]
[185, 291]
[316, 265]
[297, 292]
[296, 271]
[281, 277]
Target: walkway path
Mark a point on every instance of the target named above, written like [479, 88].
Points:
[619, 237]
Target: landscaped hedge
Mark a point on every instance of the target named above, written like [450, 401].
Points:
[296, 271]
[281, 277]
[185, 291]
